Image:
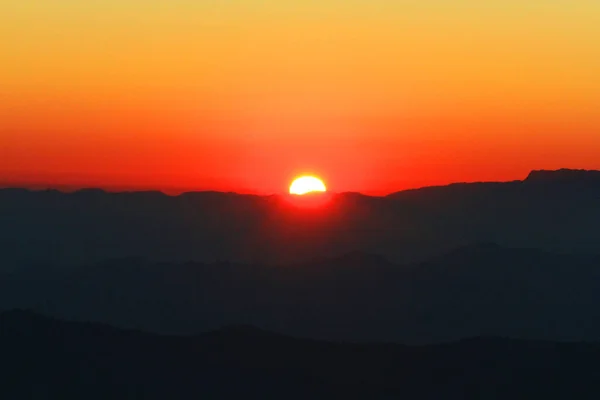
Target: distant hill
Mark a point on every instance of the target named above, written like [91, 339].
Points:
[52, 359]
[552, 210]
[569, 176]
[479, 290]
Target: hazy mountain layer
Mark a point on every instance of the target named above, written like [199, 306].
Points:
[472, 291]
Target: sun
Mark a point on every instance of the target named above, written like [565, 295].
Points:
[307, 184]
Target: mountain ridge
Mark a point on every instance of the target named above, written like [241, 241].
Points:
[408, 226]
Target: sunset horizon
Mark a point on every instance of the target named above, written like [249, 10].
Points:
[284, 191]
[243, 96]
[300, 199]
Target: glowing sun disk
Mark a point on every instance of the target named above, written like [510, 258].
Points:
[307, 184]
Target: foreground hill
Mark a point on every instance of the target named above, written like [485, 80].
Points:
[471, 291]
[551, 210]
[50, 359]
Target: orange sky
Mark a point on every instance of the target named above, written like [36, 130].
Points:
[373, 96]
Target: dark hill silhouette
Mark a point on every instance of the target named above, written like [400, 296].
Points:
[52, 359]
[476, 290]
[560, 215]
[569, 176]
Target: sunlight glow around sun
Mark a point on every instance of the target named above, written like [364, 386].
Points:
[307, 184]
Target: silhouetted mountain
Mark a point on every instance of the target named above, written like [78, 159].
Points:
[560, 215]
[570, 176]
[476, 290]
[52, 359]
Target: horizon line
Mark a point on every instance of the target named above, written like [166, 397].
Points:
[175, 192]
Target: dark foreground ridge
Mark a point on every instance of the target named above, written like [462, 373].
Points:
[45, 358]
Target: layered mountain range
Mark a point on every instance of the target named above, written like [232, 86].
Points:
[551, 210]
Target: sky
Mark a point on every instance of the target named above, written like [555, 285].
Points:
[243, 95]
